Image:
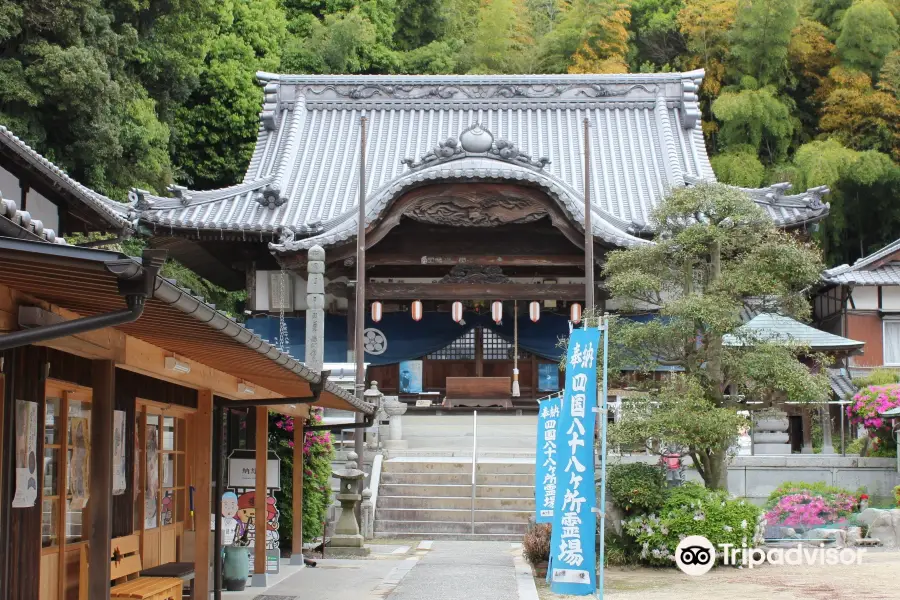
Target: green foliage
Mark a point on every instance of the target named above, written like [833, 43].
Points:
[816, 488]
[739, 166]
[760, 38]
[879, 376]
[693, 510]
[757, 119]
[621, 550]
[636, 487]
[897, 494]
[869, 32]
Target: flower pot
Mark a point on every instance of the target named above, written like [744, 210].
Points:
[237, 568]
[540, 569]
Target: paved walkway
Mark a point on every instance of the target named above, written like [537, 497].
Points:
[461, 571]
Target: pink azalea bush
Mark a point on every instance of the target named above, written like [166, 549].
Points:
[808, 505]
[869, 402]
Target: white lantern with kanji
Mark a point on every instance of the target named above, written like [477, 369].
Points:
[497, 311]
[575, 313]
[376, 311]
[456, 311]
[416, 310]
[534, 311]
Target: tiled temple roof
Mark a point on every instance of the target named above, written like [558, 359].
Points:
[879, 268]
[301, 184]
[779, 329]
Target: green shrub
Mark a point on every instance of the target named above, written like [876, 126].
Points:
[878, 377]
[692, 509]
[897, 494]
[621, 550]
[816, 488]
[536, 543]
[636, 488]
[855, 448]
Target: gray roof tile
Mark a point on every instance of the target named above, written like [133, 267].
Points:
[645, 139]
[769, 327]
[874, 269]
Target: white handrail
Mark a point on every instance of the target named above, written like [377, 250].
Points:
[474, 462]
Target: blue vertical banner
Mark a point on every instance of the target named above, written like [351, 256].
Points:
[545, 465]
[573, 562]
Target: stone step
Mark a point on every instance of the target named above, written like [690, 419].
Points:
[465, 453]
[443, 502]
[457, 491]
[454, 515]
[504, 491]
[426, 528]
[460, 537]
[486, 465]
[457, 478]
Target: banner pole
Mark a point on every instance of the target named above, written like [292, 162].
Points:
[604, 407]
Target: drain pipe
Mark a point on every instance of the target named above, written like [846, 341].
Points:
[57, 330]
[367, 421]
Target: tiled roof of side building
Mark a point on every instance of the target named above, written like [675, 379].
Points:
[878, 268]
[645, 139]
[779, 329]
[119, 214]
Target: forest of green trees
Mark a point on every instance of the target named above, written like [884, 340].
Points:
[146, 92]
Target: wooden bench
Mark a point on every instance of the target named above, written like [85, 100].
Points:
[478, 391]
[127, 583]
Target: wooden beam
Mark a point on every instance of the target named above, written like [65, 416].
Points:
[201, 475]
[101, 485]
[297, 499]
[573, 260]
[259, 518]
[478, 291]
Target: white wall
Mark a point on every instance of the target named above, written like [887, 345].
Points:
[9, 186]
[890, 297]
[41, 208]
[865, 297]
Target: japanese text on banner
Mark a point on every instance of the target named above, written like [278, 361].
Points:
[545, 467]
[573, 556]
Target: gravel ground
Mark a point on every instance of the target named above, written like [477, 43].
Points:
[877, 578]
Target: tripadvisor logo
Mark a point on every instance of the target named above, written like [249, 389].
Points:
[696, 555]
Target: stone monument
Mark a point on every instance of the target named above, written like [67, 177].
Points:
[395, 409]
[374, 396]
[770, 433]
[315, 312]
[347, 537]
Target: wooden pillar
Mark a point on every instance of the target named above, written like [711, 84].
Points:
[297, 499]
[101, 486]
[351, 323]
[259, 518]
[202, 440]
[479, 352]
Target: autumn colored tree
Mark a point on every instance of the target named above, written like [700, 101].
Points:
[590, 37]
[860, 116]
[811, 55]
[502, 43]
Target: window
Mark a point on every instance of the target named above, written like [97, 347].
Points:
[281, 291]
[162, 465]
[462, 348]
[891, 339]
[497, 348]
[66, 484]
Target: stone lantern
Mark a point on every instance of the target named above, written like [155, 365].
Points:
[347, 536]
[374, 396]
[395, 409]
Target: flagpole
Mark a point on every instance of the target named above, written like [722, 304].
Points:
[604, 408]
[588, 229]
[360, 325]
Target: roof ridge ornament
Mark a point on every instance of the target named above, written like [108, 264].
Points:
[180, 192]
[140, 198]
[475, 140]
[270, 196]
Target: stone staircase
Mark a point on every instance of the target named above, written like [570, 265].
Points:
[431, 498]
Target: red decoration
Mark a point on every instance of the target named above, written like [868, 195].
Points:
[534, 311]
[457, 311]
[575, 313]
[497, 311]
[417, 310]
[376, 312]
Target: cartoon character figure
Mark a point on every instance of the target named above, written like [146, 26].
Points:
[168, 502]
[230, 523]
[247, 514]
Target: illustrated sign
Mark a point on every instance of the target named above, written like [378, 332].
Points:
[26, 454]
[572, 552]
[548, 377]
[242, 473]
[545, 467]
[238, 523]
[410, 376]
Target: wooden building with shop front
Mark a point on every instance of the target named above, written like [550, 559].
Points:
[151, 364]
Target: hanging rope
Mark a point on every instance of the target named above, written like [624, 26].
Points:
[283, 340]
[515, 385]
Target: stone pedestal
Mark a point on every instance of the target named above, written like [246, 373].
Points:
[347, 537]
[395, 410]
[770, 433]
[368, 514]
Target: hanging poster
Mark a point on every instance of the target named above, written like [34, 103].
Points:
[79, 464]
[545, 471]
[573, 556]
[119, 478]
[151, 502]
[548, 377]
[410, 376]
[26, 454]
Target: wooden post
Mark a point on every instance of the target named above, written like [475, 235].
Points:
[101, 485]
[202, 439]
[297, 504]
[479, 351]
[259, 518]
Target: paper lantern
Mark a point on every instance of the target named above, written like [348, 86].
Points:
[417, 310]
[376, 312]
[497, 311]
[534, 311]
[457, 311]
[575, 313]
